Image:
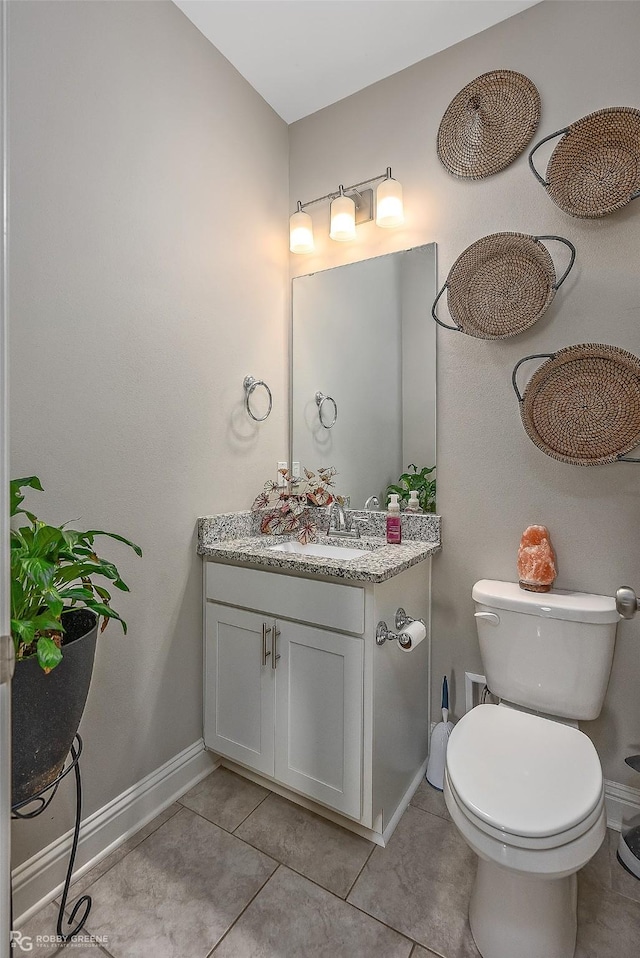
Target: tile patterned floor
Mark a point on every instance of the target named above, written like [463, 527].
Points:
[235, 871]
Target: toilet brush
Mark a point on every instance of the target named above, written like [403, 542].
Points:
[439, 739]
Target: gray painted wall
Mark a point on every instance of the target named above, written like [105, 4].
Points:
[492, 482]
[148, 276]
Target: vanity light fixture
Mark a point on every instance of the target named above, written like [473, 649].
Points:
[389, 207]
[301, 232]
[350, 206]
[343, 218]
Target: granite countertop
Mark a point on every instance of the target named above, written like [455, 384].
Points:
[232, 538]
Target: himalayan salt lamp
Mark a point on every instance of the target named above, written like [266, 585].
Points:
[536, 560]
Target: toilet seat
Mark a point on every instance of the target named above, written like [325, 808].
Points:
[525, 780]
[552, 858]
[521, 841]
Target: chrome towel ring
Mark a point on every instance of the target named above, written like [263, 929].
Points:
[250, 383]
[320, 400]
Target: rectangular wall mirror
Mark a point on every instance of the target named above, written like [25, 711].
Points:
[362, 336]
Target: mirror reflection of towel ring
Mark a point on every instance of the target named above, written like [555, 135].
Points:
[320, 400]
[250, 383]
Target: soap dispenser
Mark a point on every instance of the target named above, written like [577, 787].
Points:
[394, 529]
[413, 504]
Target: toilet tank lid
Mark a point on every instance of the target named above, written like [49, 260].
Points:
[557, 604]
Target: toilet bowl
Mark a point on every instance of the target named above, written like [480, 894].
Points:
[526, 794]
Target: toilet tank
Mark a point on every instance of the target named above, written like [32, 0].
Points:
[547, 651]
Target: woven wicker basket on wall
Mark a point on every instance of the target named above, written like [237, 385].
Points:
[488, 124]
[582, 406]
[595, 168]
[501, 285]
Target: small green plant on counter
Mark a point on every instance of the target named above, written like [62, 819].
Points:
[52, 570]
[289, 504]
[420, 480]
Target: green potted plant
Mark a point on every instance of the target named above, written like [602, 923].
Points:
[421, 480]
[56, 608]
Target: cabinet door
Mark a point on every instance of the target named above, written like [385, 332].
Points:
[319, 715]
[239, 687]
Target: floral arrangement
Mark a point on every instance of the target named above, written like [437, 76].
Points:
[289, 503]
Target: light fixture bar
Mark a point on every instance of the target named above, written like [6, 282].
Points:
[350, 206]
[346, 189]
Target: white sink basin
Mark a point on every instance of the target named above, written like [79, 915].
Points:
[318, 549]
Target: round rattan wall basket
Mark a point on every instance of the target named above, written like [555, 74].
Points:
[501, 285]
[582, 406]
[488, 124]
[595, 168]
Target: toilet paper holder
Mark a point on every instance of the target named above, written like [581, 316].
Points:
[383, 634]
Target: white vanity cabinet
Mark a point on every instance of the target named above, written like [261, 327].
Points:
[297, 690]
[286, 700]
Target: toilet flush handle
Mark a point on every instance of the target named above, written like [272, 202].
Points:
[491, 617]
[626, 602]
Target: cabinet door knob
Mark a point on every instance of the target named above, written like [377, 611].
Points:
[265, 652]
[275, 632]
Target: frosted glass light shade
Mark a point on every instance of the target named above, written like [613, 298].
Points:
[301, 233]
[343, 219]
[389, 207]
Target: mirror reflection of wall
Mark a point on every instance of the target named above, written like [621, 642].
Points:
[363, 335]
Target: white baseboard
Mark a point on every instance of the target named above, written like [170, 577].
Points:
[402, 807]
[620, 800]
[40, 879]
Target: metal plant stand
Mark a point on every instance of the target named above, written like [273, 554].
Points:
[41, 801]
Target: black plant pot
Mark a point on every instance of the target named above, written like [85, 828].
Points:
[46, 709]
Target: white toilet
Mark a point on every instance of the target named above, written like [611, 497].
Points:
[523, 785]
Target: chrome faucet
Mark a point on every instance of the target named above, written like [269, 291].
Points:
[341, 524]
[338, 516]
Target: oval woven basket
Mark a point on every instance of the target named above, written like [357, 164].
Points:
[501, 285]
[488, 124]
[595, 168]
[582, 406]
